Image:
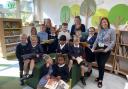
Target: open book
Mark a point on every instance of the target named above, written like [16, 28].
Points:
[47, 41]
[79, 60]
[99, 50]
[53, 84]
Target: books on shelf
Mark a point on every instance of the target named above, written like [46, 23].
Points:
[124, 38]
[11, 24]
[53, 84]
[12, 40]
[123, 51]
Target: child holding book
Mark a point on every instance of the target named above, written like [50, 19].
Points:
[43, 35]
[54, 41]
[76, 56]
[60, 69]
[46, 71]
[35, 53]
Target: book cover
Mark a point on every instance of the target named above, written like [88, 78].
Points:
[53, 84]
[79, 60]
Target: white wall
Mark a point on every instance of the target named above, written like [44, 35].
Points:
[51, 8]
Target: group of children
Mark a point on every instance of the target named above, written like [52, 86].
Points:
[31, 50]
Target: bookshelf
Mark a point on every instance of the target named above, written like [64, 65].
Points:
[10, 30]
[122, 53]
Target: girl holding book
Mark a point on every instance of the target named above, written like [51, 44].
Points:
[60, 69]
[46, 71]
[35, 54]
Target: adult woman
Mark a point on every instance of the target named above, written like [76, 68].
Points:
[48, 25]
[103, 45]
[77, 26]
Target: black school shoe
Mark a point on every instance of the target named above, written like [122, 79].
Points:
[29, 76]
[83, 80]
[88, 74]
[21, 82]
[99, 85]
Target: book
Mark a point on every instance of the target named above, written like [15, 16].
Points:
[51, 84]
[79, 60]
[84, 44]
[54, 84]
[62, 85]
[99, 50]
[27, 56]
[47, 41]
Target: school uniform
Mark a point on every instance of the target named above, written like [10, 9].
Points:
[90, 56]
[21, 49]
[73, 29]
[76, 51]
[29, 41]
[45, 71]
[61, 70]
[53, 46]
[37, 49]
[64, 49]
[48, 30]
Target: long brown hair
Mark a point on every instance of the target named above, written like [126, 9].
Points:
[104, 18]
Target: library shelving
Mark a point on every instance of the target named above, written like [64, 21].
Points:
[10, 30]
[122, 53]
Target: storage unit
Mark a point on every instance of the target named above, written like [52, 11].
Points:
[10, 30]
[122, 53]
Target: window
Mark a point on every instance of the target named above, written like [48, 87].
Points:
[8, 8]
[26, 10]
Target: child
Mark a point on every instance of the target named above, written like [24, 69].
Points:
[62, 46]
[21, 49]
[79, 35]
[46, 71]
[76, 55]
[60, 70]
[65, 32]
[35, 54]
[43, 35]
[36, 48]
[53, 45]
[90, 56]
[33, 32]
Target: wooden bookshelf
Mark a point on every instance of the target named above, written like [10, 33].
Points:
[122, 53]
[10, 30]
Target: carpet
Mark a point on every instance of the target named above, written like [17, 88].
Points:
[9, 83]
